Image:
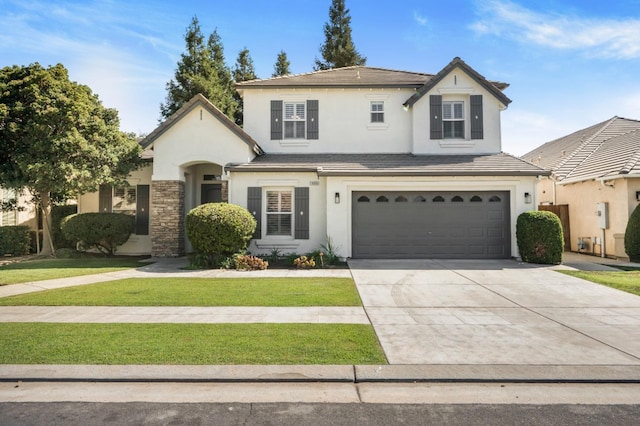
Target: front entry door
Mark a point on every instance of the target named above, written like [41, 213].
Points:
[210, 193]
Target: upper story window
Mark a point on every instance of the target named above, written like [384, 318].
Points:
[294, 120]
[449, 120]
[377, 111]
[279, 212]
[453, 119]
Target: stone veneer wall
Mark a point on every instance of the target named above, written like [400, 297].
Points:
[167, 218]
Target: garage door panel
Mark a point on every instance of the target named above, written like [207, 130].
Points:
[415, 224]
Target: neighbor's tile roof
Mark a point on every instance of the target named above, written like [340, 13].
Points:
[605, 149]
[355, 76]
[392, 165]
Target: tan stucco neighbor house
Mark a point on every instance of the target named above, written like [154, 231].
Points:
[596, 173]
[385, 163]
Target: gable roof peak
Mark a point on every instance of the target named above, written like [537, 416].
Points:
[495, 88]
[200, 99]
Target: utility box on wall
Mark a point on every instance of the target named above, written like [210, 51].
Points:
[602, 211]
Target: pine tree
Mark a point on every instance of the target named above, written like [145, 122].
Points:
[338, 49]
[243, 71]
[201, 69]
[281, 66]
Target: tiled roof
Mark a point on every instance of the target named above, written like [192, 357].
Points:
[392, 165]
[201, 100]
[606, 149]
[355, 76]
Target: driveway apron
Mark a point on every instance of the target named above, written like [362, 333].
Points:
[495, 312]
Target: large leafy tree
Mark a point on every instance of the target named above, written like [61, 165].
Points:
[281, 66]
[243, 71]
[338, 49]
[57, 138]
[201, 69]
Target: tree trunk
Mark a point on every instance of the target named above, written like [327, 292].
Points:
[47, 239]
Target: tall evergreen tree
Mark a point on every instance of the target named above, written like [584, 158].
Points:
[281, 66]
[243, 71]
[226, 100]
[201, 69]
[338, 49]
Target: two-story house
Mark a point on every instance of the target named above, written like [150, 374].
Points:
[385, 163]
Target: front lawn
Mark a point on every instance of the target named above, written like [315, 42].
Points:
[626, 281]
[47, 269]
[199, 292]
[113, 344]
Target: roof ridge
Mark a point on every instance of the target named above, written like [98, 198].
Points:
[288, 76]
[606, 125]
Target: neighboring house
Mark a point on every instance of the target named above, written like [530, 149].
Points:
[596, 173]
[385, 163]
[25, 214]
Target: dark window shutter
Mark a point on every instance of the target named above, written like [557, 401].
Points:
[142, 210]
[312, 119]
[105, 199]
[254, 205]
[477, 131]
[435, 111]
[302, 213]
[276, 120]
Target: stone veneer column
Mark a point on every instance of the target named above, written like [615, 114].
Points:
[167, 218]
[224, 191]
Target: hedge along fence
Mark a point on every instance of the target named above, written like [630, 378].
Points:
[539, 237]
[102, 231]
[15, 240]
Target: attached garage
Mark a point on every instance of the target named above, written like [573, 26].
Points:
[411, 224]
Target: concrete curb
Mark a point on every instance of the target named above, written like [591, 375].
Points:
[322, 373]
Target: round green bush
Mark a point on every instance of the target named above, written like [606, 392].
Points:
[102, 231]
[219, 229]
[539, 237]
[632, 236]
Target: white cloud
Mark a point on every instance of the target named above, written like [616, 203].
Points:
[606, 38]
[420, 20]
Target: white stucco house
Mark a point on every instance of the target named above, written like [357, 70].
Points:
[385, 163]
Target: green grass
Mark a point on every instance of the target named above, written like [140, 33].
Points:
[47, 269]
[625, 281]
[112, 344]
[199, 292]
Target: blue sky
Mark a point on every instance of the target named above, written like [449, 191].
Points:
[570, 64]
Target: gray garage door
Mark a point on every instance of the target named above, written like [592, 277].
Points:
[445, 225]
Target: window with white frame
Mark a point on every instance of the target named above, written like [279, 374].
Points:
[279, 212]
[8, 217]
[294, 120]
[124, 200]
[377, 111]
[453, 119]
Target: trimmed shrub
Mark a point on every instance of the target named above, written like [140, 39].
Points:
[632, 236]
[102, 231]
[219, 230]
[539, 237]
[304, 262]
[57, 214]
[15, 240]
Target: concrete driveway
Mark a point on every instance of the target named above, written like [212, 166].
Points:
[496, 312]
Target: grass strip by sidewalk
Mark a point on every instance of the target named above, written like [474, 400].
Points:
[184, 344]
[199, 292]
[626, 281]
[48, 269]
